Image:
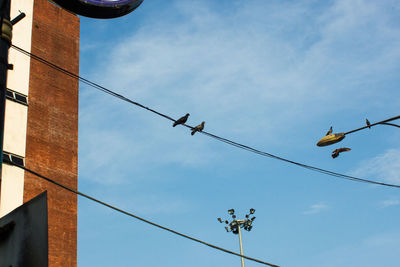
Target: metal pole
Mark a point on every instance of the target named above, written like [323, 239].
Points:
[240, 243]
[235, 225]
[4, 46]
[373, 124]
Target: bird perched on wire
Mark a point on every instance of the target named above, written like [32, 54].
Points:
[181, 120]
[368, 123]
[330, 131]
[336, 152]
[198, 128]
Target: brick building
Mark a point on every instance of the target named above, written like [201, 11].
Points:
[41, 121]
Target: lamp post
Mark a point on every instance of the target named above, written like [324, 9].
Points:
[5, 42]
[235, 226]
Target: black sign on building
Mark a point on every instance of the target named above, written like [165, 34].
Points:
[24, 235]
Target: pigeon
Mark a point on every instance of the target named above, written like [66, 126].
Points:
[336, 152]
[330, 131]
[368, 123]
[181, 120]
[198, 128]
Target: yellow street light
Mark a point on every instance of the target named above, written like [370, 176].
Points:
[331, 139]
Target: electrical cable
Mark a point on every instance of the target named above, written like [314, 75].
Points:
[227, 141]
[85, 81]
[327, 172]
[137, 217]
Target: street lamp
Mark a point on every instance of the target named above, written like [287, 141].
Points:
[333, 138]
[235, 225]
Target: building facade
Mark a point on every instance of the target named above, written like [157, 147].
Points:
[41, 121]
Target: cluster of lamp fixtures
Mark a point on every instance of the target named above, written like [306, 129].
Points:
[234, 225]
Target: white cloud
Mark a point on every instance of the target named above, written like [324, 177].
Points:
[385, 166]
[316, 208]
[390, 202]
[212, 58]
[251, 77]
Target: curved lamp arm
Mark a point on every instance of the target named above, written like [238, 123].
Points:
[376, 123]
[391, 124]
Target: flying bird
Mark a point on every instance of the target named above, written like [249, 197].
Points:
[336, 152]
[198, 128]
[368, 123]
[181, 120]
[330, 131]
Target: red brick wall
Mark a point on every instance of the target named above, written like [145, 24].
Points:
[52, 133]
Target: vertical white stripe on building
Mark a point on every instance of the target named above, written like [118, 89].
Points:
[15, 128]
[12, 182]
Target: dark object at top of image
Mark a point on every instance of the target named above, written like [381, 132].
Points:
[100, 9]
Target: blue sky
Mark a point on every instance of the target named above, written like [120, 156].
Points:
[274, 75]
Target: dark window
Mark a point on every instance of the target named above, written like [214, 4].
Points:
[13, 159]
[17, 97]
[9, 94]
[21, 98]
[17, 160]
[6, 158]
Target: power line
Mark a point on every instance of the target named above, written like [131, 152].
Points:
[225, 140]
[86, 81]
[137, 217]
[327, 172]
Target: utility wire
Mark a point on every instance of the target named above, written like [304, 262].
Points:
[137, 217]
[227, 141]
[86, 81]
[327, 172]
